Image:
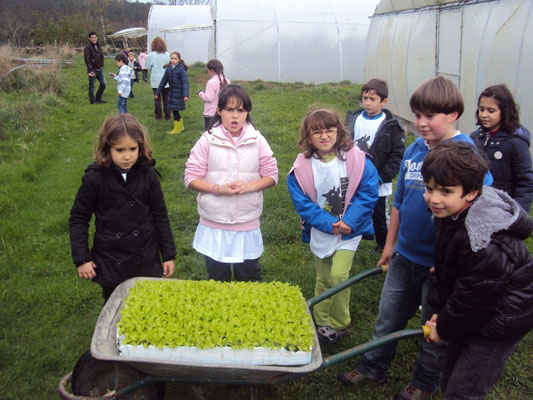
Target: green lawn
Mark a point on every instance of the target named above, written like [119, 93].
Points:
[48, 314]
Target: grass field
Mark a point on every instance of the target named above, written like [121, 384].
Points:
[48, 314]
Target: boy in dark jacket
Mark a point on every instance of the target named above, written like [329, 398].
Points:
[483, 279]
[378, 133]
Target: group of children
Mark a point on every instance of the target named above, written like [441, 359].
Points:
[453, 242]
[175, 79]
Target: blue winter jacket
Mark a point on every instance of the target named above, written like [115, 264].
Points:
[416, 236]
[178, 86]
[510, 162]
[358, 214]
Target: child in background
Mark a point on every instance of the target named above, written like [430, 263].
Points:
[132, 230]
[143, 55]
[230, 165]
[482, 289]
[217, 81]
[123, 82]
[333, 188]
[135, 67]
[377, 132]
[436, 105]
[176, 76]
[505, 142]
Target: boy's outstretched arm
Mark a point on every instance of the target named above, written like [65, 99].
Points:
[392, 234]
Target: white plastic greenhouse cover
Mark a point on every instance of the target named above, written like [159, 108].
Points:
[183, 29]
[474, 43]
[297, 40]
[278, 40]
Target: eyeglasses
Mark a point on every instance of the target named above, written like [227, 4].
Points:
[329, 132]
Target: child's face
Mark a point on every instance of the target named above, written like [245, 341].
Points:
[119, 63]
[489, 113]
[445, 201]
[323, 140]
[131, 56]
[125, 153]
[233, 116]
[435, 127]
[174, 59]
[372, 103]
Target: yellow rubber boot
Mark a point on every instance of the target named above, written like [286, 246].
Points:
[176, 128]
[180, 126]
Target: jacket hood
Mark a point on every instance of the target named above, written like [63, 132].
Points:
[494, 211]
[524, 134]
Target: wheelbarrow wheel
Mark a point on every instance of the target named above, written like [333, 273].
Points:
[92, 377]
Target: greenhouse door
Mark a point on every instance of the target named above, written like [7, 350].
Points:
[449, 33]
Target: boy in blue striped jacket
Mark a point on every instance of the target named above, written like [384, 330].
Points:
[123, 82]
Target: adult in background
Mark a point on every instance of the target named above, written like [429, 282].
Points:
[157, 58]
[94, 60]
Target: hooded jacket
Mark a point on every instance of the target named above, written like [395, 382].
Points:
[388, 147]
[132, 232]
[361, 196]
[483, 281]
[178, 86]
[510, 162]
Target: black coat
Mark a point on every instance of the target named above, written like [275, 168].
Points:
[483, 280]
[178, 86]
[386, 152]
[132, 232]
[94, 58]
[510, 162]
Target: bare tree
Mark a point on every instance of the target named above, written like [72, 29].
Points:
[15, 27]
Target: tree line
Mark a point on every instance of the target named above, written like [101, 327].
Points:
[67, 21]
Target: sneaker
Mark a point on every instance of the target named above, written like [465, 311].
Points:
[355, 377]
[328, 335]
[100, 101]
[411, 392]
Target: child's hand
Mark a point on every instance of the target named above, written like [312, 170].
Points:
[230, 188]
[340, 227]
[386, 255]
[155, 96]
[185, 98]
[168, 268]
[86, 271]
[433, 336]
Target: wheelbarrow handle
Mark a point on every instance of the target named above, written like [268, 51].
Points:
[374, 344]
[343, 285]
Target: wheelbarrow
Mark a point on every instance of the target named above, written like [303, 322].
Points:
[107, 374]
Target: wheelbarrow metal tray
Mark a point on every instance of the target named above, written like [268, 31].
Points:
[104, 347]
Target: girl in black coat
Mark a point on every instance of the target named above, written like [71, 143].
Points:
[506, 143]
[176, 76]
[132, 230]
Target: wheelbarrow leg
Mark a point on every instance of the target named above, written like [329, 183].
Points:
[253, 392]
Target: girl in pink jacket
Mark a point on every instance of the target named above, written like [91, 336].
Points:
[217, 81]
[229, 166]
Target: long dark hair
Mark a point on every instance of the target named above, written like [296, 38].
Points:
[243, 100]
[217, 67]
[509, 110]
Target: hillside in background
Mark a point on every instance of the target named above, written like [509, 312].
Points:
[41, 22]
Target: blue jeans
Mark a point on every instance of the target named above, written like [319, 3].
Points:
[122, 105]
[405, 289]
[98, 75]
